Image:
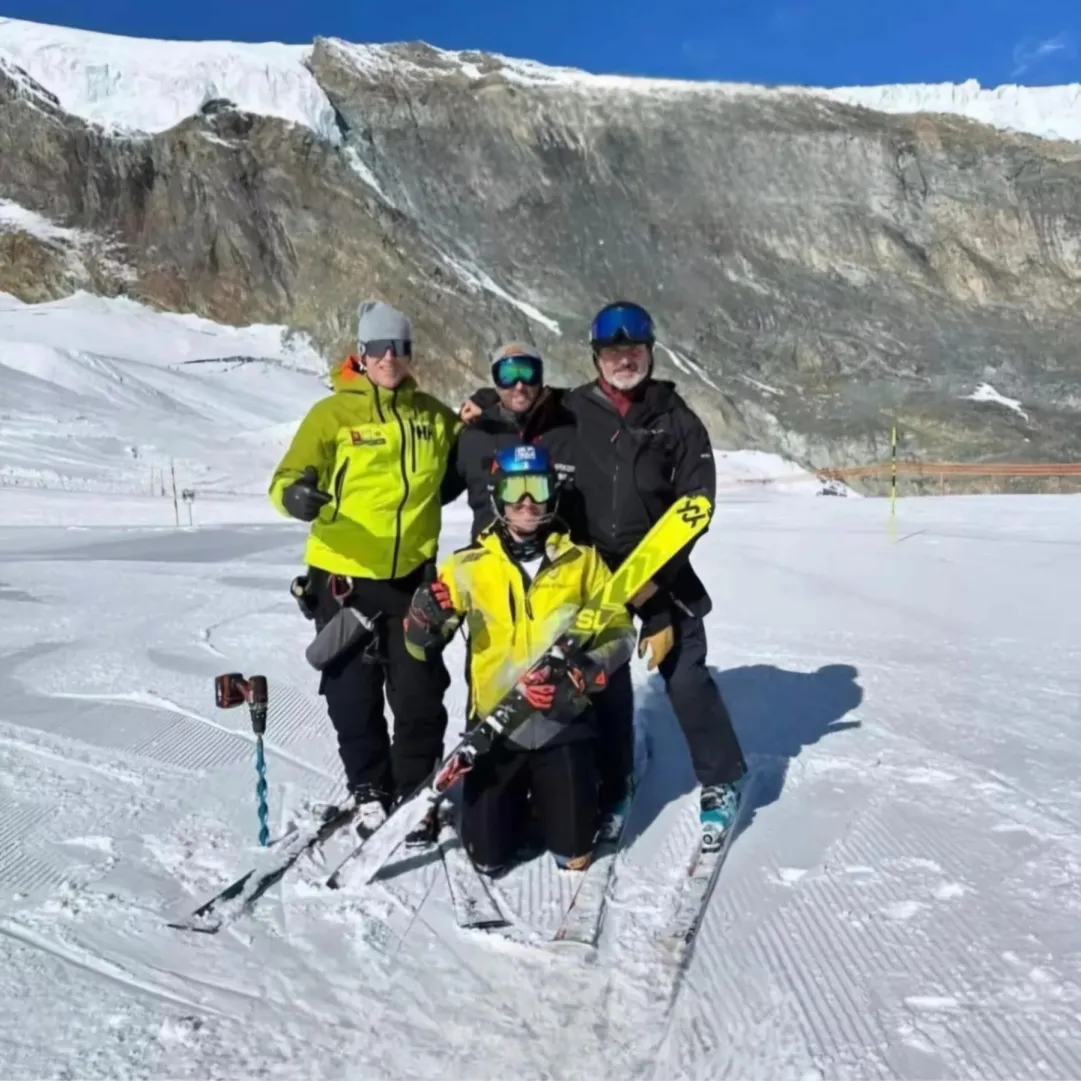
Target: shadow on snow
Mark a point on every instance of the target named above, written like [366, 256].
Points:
[776, 713]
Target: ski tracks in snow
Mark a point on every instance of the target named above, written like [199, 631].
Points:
[905, 908]
[902, 899]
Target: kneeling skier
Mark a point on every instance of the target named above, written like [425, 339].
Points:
[512, 588]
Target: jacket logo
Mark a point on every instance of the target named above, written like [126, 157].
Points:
[365, 439]
[423, 431]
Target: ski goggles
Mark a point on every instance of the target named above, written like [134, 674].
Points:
[397, 347]
[514, 487]
[508, 371]
[622, 323]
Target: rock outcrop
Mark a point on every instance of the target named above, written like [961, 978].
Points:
[818, 271]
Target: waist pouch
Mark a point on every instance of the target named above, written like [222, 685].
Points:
[346, 631]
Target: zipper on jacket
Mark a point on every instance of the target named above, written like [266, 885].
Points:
[405, 485]
[545, 566]
[413, 444]
[615, 483]
[339, 484]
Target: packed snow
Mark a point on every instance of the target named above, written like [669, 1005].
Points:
[985, 392]
[16, 218]
[902, 901]
[148, 85]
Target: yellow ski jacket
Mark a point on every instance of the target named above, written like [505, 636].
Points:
[510, 622]
[382, 455]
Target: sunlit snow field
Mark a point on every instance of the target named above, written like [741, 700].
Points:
[904, 900]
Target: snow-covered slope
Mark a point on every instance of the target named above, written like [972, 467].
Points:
[103, 395]
[98, 395]
[903, 902]
[1053, 112]
[136, 84]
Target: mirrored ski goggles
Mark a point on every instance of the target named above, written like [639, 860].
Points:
[516, 486]
[511, 370]
[622, 323]
[397, 347]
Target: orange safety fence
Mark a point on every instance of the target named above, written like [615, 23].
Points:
[927, 470]
[954, 469]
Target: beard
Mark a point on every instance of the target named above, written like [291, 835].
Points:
[628, 378]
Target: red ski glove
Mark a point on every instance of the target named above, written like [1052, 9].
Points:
[563, 685]
[430, 608]
[539, 689]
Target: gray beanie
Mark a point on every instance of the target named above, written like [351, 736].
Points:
[377, 321]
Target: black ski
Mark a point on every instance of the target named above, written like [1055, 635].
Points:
[474, 905]
[238, 897]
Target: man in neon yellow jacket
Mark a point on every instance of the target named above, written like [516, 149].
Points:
[365, 467]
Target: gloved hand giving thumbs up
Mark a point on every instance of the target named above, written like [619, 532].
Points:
[302, 499]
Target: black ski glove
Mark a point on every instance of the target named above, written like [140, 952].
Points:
[302, 499]
[430, 610]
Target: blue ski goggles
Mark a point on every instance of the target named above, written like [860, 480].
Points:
[622, 323]
[397, 347]
[508, 371]
[514, 487]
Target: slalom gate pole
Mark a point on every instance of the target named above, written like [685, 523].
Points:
[893, 482]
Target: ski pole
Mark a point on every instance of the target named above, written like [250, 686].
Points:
[233, 689]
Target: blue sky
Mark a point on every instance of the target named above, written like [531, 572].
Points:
[818, 42]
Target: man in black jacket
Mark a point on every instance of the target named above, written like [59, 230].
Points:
[518, 409]
[638, 447]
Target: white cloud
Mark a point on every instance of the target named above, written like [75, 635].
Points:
[1027, 53]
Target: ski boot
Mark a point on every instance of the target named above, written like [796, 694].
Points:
[719, 805]
[371, 804]
[611, 820]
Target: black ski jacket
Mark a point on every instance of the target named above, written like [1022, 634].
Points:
[547, 424]
[630, 470]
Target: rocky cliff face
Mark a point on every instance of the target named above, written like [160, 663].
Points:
[817, 270]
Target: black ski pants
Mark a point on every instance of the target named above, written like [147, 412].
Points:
[561, 782]
[696, 702]
[356, 691]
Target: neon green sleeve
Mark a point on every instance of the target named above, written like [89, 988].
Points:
[313, 445]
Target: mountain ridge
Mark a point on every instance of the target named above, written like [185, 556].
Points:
[818, 270]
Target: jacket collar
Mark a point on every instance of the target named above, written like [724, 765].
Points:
[500, 417]
[556, 547]
[655, 397]
[350, 378]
